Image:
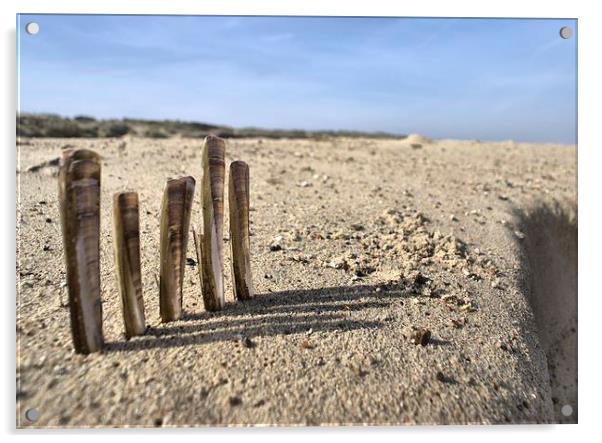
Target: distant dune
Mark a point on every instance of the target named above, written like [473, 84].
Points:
[56, 126]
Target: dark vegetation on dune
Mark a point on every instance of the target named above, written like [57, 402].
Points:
[52, 125]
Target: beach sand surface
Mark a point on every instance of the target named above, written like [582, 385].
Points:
[357, 244]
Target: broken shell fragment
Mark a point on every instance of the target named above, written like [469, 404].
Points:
[238, 203]
[209, 244]
[79, 205]
[175, 222]
[126, 233]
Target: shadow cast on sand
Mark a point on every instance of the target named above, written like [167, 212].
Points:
[272, 314]
[550, 258]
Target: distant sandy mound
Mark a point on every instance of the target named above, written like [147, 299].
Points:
[417, 139]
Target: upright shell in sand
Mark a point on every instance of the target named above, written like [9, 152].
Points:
[126, 233]
[79, 204]
[175, 223]
[238, 204]
[209, 244]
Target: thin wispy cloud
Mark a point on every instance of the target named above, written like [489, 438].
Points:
[442, 77]
[278, 37]
[548, 46]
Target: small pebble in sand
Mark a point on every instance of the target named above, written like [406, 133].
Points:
[247, 342]
[449, 298]
[519, 234]
[468, 307]
[306, 344]
[453, 218]
[235, 400]
[259, 403]
[421, 336]
[338, 263]
[443, 378]
[456, 323]
[190, 261]
[276, 243]
[295, 235]
[496, 283]
[359, 371]
[305, 184]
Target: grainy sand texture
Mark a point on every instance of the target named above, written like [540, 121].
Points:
[398, 281]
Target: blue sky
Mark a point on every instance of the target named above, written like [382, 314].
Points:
[461, 78]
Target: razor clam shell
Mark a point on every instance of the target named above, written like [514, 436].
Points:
[210, 242]
[238, 203]
[79, 205]
[175, 223]
[126, 233]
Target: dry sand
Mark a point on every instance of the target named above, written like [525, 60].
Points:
[355, 242]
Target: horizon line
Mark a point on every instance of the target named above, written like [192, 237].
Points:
[391, 134]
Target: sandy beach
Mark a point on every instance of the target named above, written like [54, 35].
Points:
[357, 245]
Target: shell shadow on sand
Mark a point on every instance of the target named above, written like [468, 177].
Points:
[277, 313]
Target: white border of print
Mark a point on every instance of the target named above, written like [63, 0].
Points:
[590, 216]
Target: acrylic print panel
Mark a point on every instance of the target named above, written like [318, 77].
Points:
[295, 221]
